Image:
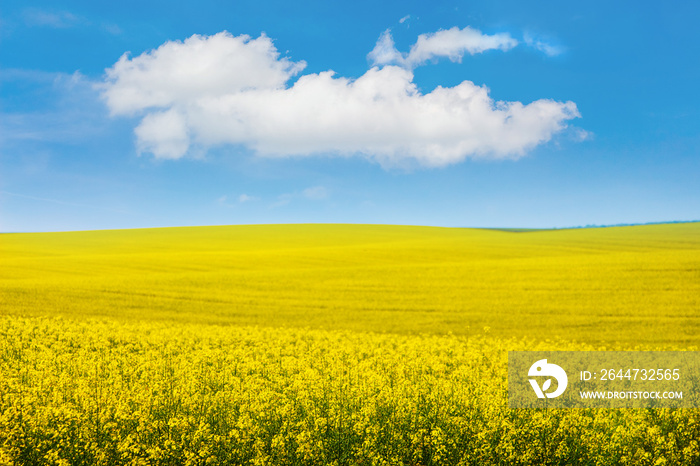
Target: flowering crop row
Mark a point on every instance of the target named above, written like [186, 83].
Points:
[107, 392]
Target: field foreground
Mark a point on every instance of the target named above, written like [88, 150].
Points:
[331, 344]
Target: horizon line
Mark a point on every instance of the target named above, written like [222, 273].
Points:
[506, 229]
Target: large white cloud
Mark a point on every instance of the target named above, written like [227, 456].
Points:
[201, 66]
[221, 89]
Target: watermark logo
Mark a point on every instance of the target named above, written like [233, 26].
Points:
[543, 369]
[603, 379]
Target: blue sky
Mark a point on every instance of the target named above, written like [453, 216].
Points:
[483, 114]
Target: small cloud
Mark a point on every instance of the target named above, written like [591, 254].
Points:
[384, 50]
[538, 44]
[404, 19]
[282, 200]
[315, 193]
[112, 29]
[580, 135]
[70, 113]
[57, 19]
[245, 198]
[53, 19]
[451, 43]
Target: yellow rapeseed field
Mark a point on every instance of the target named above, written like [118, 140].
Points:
[332, 344]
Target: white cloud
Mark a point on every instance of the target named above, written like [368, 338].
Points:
[64, 20]
[384, 51]
[246, 198]
[54, 19]
[404, 19]
[282, 200]
[451, 43]
[315, 193]
[580, 135]
[164, 134]
[221, 89]
[242, 199]
[549, 49]
[112, 29]
[69, 112]
[200, 67]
